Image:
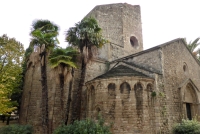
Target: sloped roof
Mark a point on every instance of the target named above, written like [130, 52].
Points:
[154, 48]
[149, 50]
[141, 67]
[121, 70]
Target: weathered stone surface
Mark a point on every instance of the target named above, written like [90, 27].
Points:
[119, 23]
[151, 90]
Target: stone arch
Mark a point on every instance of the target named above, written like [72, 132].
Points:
[190, 94]
[92, 97]
[111, 100]
[150, 103]
[149, 87]
[111, 91]
[97, 112]
[100, 86]
[190, 101]
[139, 101]
[125, 89]
[138, 95]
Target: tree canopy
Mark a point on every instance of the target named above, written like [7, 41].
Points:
[11, 58]
[44, 32]
[86, 35]
[63, 56]
[193, 47]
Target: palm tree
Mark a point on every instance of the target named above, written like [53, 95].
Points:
[192, 46]
[63, 61]
[44, 35]
[86, 35]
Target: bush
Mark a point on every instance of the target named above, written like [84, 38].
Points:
[187, 127]
[87, 126]
[16, 129]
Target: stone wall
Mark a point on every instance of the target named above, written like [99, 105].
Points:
[134, 105]
[30, 112]
[176, 82]
[180, 69]
[94, 69]
[126, 103]
[31, 106]
[119, 22]
[150, 59]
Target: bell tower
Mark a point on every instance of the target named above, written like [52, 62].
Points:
[121, 25]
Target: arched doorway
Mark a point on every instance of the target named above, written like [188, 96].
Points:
[190, 102]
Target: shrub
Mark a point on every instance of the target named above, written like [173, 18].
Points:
[87, 126]
[187, 127]
[16, 129]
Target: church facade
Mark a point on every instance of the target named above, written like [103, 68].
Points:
[137, 91]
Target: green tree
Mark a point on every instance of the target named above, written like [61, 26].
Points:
[87, 126]
[44, 35]
[16, 129]
[187, 127]
[192, 46]
[63, 61]
[11, 58]
[86, 35]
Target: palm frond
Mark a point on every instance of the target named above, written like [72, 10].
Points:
[86, 33]
[44, 32]
[65, 57]
[192, 45]
[44, 25]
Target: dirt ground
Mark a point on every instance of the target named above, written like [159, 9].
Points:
[11, 122]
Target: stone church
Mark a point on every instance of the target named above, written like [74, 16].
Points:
[137, 91]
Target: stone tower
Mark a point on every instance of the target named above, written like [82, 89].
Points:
[121, 25]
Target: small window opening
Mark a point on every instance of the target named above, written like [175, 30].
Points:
[188, 110]
[184, 68]
[134, 42]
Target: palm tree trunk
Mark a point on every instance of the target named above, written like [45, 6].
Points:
[69, 99]
[61, 95]
[44, 94]
[77, 105]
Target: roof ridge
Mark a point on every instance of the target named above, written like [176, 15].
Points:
[141, 67]
[121, 70]
[147, 50]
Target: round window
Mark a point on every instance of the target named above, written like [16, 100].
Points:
[134, 42]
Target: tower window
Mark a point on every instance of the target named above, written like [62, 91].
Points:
[134, 42]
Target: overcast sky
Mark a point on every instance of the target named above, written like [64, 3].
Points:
[162, 20]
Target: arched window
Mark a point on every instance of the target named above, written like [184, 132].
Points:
[150, 93]
[139, 102]
[111, 91]
[92, 97]
[125, 90]
[149, 87]
[139, 96]
[111, 101]
[125, 93]
[97, 112]
[134, 42]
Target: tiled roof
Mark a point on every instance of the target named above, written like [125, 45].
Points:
[121, 70]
